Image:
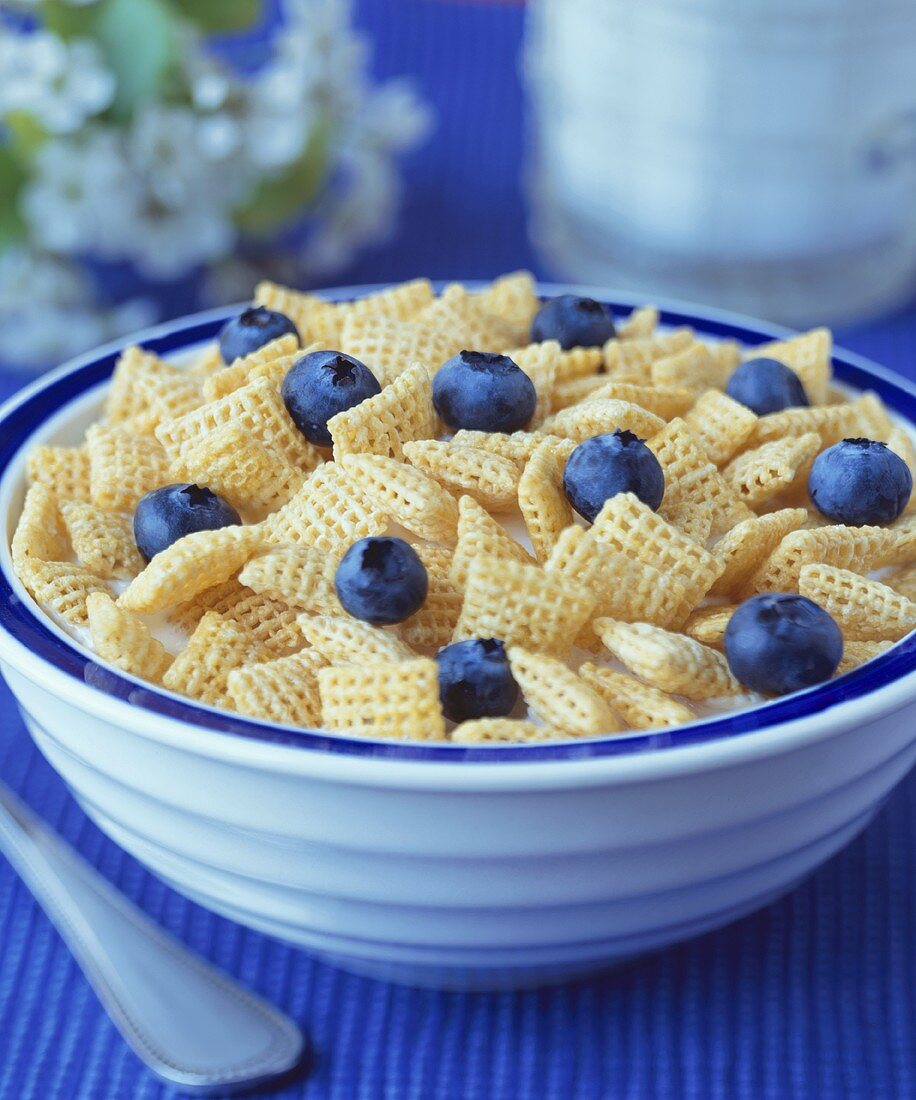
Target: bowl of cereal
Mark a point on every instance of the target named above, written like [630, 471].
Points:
[471, 635]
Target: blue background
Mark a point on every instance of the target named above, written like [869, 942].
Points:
[812, 997]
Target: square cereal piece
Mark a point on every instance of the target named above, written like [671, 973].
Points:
[758, 475]
[269, 622]
[165, 395]
[856, 654]
[251, 475]
[831, 422]
[745, 548]
[693, 518]
[284, 690]
[642, 707]
[808, 355]
[40, 534]
[344, 641]
[694, 368]
[139, 378]
[634, 531]
[460, 316]
[329, 512]
[865, 610]
[559, 697]
[431, 627]
[517, 447]
[900, 443]
[406, 495]
[402, 412]
[860, 549]
[399, 701]
[640, 325]
[874, 416]
[285, 349]
[62, 587]
[218, 597]
[65, 471]
[401, 302]
[707, 624]
[316, 319]
[256, 408]
[637, 356]
[663, 401]
[539, 362]
[513, 299]
[480, 534]
[579, 363]
[625, 587]
[190, 565]
[720, 425]
[690, 476]
[124, 640]
[598, 416]
[103, 541]
[489, 479]
[299, 576]
[388, 346]
[902, 580]
[727, 353]
[205, 363]
[541, 497]
[522, 605]
[504, 731]
[201, 670]
[670, 662]
[574, 390]
[123, 467]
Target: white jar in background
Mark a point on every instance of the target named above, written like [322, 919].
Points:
[756, 154]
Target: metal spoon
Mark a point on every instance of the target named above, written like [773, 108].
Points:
[192, 1025]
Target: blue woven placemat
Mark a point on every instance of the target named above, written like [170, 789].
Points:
[812, 997]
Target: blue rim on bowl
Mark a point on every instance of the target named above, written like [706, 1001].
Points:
[23, 622]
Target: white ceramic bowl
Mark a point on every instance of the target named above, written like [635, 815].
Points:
[438, 864]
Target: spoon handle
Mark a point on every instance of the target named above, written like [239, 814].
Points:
[192, 1025]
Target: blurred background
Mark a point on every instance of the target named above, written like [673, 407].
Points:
[159, 156]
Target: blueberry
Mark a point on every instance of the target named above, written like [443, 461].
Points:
[484, 392]
[322, 384]
[781, 643]
[475, 680]
[859, 481]
[252, 330]
[766, 386]
[381, 580]
[165, 515]
[573, 321]
[605, 465]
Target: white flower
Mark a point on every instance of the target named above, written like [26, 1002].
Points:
[392, 118]
[84, 195]
[169, 243]
[48, 311]
[174, 154]
[61, 84]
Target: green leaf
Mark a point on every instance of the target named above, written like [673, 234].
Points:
[276, 200]
[138, 40]
[12, 177]
[24, 136]
[68, 20]
[219, 16]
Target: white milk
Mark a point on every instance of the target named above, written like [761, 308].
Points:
[755, 154]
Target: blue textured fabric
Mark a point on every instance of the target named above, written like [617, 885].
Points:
[812, 997]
